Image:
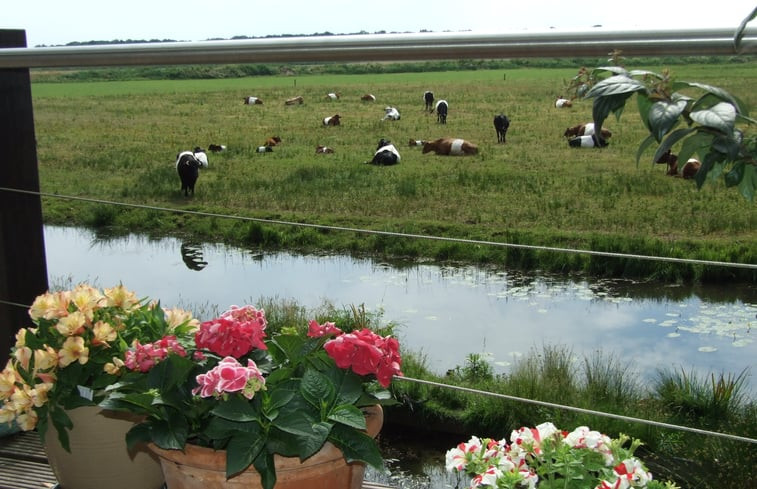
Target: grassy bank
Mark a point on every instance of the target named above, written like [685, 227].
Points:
[117, 141]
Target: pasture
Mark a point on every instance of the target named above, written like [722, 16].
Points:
[118, 141]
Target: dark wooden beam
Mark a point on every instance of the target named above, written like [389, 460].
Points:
[23, 267]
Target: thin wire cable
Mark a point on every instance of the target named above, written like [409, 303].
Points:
[581, 410]
[691, 261]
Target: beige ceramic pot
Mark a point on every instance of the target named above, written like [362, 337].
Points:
[204, 468]
[99, 458]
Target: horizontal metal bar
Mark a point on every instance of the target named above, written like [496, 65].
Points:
[389, 47]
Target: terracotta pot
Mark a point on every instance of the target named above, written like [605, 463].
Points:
[98, 456]
[204, 468]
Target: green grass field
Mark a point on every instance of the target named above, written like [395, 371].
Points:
[118, 141]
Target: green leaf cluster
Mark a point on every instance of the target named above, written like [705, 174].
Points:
[307, 401]
[703, 121]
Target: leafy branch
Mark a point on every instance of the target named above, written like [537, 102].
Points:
[706, 121]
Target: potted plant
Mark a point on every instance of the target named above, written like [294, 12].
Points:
[548, 458]
[59, 368]
[252, 400]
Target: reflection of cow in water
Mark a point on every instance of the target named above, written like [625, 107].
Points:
[191, 254]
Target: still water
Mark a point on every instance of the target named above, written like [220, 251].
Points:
[445, 313]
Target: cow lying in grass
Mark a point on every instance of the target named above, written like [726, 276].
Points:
[563, 102]
[273, 141]
[586, 129]
[689, 170]
[323, 150]
[368, 97]
[386, 154]
[592, 141]
[252, 101]
[450, 146]
[332, 120]
[294, 100]
[391, 113]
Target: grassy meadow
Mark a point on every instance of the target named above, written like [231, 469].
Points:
[118, 141]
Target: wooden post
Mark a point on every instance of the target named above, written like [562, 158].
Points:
[23, 268]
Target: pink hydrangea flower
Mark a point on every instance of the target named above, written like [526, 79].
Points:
[230, 376]
[366, 353]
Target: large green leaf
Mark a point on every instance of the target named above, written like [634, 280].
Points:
[748, 184]
[241, 451]
[236, 408]
[616, 85]
[356, 446]
[349, 415]
[648, 141]
[317, 388]
[663, 116]
[739, 35]
[606, 104]
[265, 466]
[720, 117]
[171, 432]
[170, 373]
[137, 434]
[310, 435]
[698, 143]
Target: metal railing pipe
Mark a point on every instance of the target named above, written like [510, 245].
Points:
[390, 47]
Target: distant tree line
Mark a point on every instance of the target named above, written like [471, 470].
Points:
[188, 72]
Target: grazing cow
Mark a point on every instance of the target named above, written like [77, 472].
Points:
[334, 120]
[689, 170]
[501, 124]
[441, 111]
[417, 142]
[428, 97]
[592, 141]
[562, 102]
[585, 130]
[333, 95]
[264, 149]
[294, 100]
[216, 148]
[252, 101]
[188, 168]
[368, 97]
[273, 141]
[386, 154]
[323, 150]
[450, 146]
[391, 113]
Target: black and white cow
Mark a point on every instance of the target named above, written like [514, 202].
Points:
[386, 154]
[441, 111]
[428, 97]
[501, 124]
[592, 141]
[391, 113]
[188, 168]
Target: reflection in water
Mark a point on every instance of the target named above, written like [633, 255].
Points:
[446, 312]
[191, 253]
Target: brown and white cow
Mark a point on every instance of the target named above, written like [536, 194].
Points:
[586, 129]
[562, 102]
[689, 170]
[323, 150]
[368, 97]
[333, 95]
[294, 100]
[272, 141]
[450, 146]
[333, 120]
[252, 101]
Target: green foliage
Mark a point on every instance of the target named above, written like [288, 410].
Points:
[711, 132]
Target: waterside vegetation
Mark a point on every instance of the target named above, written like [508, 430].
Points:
[601, 382]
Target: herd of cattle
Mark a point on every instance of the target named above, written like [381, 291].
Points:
[189, 163]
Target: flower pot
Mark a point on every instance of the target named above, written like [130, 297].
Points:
[98, 456]
[204, 468]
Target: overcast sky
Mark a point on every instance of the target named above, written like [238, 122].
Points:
[57, 22]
